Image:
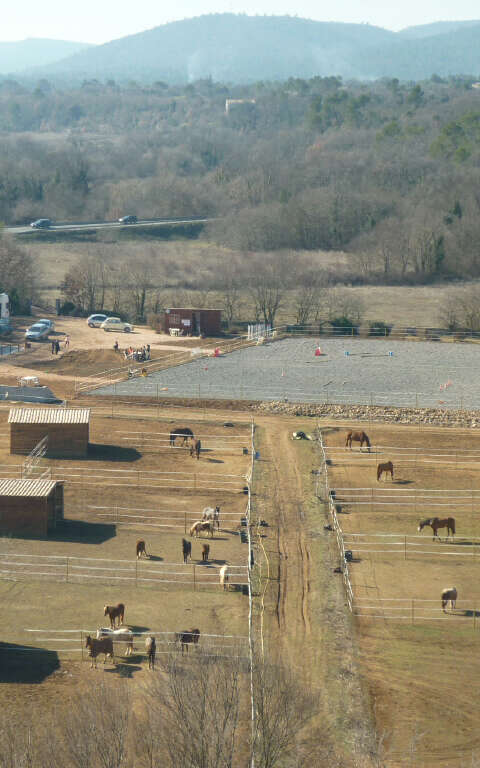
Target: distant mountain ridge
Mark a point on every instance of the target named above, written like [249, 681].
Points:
[239, 48]
[34, 52]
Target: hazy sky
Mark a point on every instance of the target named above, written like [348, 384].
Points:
[97, 21]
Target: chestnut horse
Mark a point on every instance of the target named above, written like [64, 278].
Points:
[386, 468]
[114, 612]
[103, 645]
[358, 437]
[435, 523]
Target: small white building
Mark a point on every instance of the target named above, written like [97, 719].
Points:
[4, 306]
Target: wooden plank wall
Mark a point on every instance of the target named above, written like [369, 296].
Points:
[63, 439]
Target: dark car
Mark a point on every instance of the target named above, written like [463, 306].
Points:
[41, 224]
[130, 219]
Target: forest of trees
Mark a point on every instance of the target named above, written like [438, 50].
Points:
[388, 172]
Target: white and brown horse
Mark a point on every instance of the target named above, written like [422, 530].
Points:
[122, 635]
[449, 595]
[200, 526]
[439, 522]
[385, 469]
[357, 437]
[114, 612]
[212, 514]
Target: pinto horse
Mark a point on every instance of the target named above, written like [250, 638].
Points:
[435, 523]
[114, 612]
[386, 468]
[357, 437]
[183, 432]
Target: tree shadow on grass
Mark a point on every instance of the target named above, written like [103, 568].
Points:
[21, 664]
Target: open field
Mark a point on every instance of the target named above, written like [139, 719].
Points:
[418, 660]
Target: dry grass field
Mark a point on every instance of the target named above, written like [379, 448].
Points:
[420, 663]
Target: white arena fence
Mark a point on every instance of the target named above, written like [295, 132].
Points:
[146, 479]
[70, 644]
[85, 570]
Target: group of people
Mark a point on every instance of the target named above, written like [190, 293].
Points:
[56, 345]
[139, 355]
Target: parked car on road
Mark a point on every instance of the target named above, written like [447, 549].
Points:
[37, 332]
[41, 224]
[130, 219]
[95, 321]
[115, 324]
[45, 321]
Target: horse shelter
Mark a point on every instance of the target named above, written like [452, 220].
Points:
[67, 430]
[30, 507]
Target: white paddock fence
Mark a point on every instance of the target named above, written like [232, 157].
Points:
[87, 570]
[403, 457]
[410, 547]
[70, 643]
[146, 479]
[424, 502]
[155, 442]
[177, 517]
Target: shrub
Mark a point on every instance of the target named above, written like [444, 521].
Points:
[343, 326]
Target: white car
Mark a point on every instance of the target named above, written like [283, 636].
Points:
[115, 324]
[95, 321]
[49, 323]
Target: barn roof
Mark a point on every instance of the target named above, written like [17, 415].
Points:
[49, 416]
[9, 487]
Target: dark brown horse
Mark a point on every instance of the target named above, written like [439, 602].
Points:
[185, 638]
[386, 468]
[436, 522]
[195, 449]
[186, 550]
[114, 612]
[151, 648]
[141, 549]
[357, 437]
[103, 645]
[184, 432]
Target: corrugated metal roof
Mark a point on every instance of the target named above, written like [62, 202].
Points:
[9, 487]
[49, 416]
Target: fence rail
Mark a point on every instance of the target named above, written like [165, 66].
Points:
[75, 570]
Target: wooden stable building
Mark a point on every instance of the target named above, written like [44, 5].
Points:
[30, 507]
[185, 321]
[67, 430]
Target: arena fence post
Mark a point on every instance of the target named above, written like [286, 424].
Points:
[413, 611]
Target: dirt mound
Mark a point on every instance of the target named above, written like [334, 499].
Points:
[81, 362]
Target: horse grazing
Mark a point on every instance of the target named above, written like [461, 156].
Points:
[200, 526]
[105, 646]
[205, 552]
[123, 635]
[183, 432]
[186, 550]
[187, 637]
[435, 523]
[209, 513]
[357, 437]
[114, 612]
[151, 649]
[195, 448]
[224, 576]
[141, 549]
[449, 595]
[386, 468]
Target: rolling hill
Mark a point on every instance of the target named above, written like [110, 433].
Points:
[35, 52]
[239, 48]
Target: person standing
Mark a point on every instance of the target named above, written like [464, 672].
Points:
[67, 341]
[57, 347]
[53, 346]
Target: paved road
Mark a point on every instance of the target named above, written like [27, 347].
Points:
[108, 225]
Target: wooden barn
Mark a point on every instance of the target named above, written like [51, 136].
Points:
[186, 321]
[30, 507]
[67, 430]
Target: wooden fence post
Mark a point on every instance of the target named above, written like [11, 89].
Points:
[185, 521]
[194, 579]
[405, 547]
[413, 611]
[67, 570]
[136, 572]
[81, 642]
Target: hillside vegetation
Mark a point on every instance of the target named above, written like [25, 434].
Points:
[240, 48]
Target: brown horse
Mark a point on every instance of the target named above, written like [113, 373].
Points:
[185, 638]
[103, 645]
[114, 612]
[386, 468]
[141, 549]
[151, 648]
[449, 595]
[357, 437]
[195, 449]
[435, 523]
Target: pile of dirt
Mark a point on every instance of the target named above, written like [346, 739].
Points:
[80, 362]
